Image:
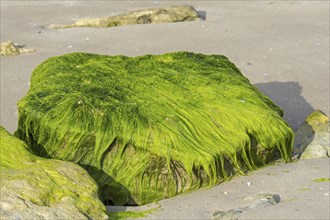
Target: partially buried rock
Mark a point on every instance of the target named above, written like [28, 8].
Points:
[154, 126]
[313, 137]
[159, 15]
[260, 201]
[8, 48]
[38, 188]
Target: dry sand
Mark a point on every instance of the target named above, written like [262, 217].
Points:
[281, 46]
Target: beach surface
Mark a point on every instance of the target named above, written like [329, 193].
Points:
[282, 47]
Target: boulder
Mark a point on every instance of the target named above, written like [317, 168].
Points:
[313, 137]
[158, 15]
[153, 126]
[38, 188]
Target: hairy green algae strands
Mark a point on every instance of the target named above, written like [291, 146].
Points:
[153, 126]
[39, 188]
[159, 15]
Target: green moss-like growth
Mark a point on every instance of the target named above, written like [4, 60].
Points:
[38, 188]
[130, 214]
[320, 180]
[153, 126]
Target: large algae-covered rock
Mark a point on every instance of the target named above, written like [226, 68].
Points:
[153, 126]
[158, 15]
[313, 137]
[38, 188]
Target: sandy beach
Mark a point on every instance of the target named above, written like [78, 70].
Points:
[282, 47]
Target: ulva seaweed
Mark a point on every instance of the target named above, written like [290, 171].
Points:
[152, 126]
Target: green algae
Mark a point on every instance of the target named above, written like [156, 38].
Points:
[154, 126]
[44, 183]
[304, 189]
[320, 180]
[126, 215]
[130, 214]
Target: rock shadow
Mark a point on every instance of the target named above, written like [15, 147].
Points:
[108, 193]
[303, 137]
[202, 15]
[287, 95]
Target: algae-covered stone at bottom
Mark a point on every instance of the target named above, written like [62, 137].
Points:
[153, 126]
[38, 188]
[312, 139]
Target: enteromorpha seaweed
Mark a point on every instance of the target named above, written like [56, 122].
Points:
[152, 126]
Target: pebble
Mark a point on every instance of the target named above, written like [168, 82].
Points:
[249, 183]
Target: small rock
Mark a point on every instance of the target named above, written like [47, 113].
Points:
[8, 48]
[265, 200]
[249, 183]
[260, 200]
[312, 138]
[160, 15]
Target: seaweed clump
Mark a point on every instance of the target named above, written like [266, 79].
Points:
[153, 126]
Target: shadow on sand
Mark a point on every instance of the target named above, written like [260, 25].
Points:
[202, 15]
[287, 95]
